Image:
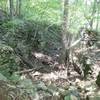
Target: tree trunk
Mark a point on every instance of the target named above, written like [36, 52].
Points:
[93, 13]
[65, 36]
[11, 8]
[18, 8]
[65, 23]
[98, 12]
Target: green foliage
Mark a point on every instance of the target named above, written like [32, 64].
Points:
[42, 10]
[10, 91]
[14, 78]
[28, 36]
[3, 4]
[85, 64]
[67, 97]
[3, 78]
[26, 83]
[98, 80]
[8, 62]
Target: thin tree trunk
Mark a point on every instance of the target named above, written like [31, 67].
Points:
[18, 8]
[65, 36]
[11, 8]
[65, 23]
[93, 12]
[98, 11]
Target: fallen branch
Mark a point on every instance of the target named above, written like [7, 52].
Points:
[26, 71]
[97, 50]
[83, 49]
[86, 49]
[75, 43]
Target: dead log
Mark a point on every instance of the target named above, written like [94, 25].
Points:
[44, 58]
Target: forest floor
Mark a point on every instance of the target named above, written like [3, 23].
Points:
[57, 83]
